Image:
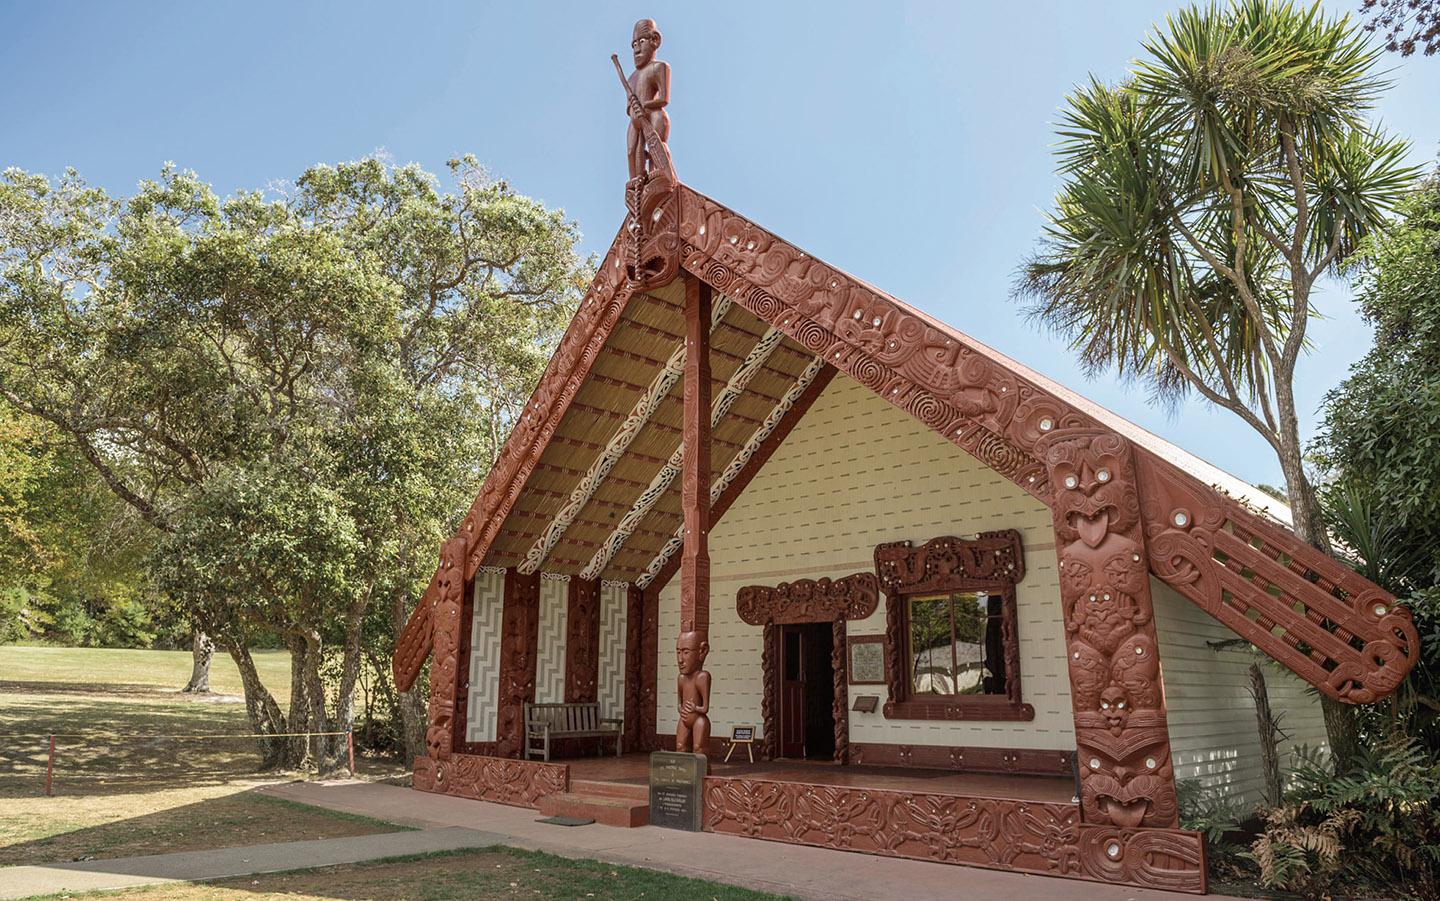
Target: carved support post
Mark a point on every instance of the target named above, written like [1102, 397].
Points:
[462, 668]
[695, 476]
[519, 644]
[582, 640]
[635, 668]
[447, 596]
[1123, 740]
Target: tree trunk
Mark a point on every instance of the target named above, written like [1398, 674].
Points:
[322, 756]
[202, 651]
[297, 749]
[260, 707]
[1341, 727]
[1269, 737]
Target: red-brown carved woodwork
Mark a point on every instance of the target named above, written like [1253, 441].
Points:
[650, 663]
[519, 644]
[695, 470]
[449, 597]
[519, 783]
[992, 408]
[651, 245]
[1348, 638]
[992, 562]
[809, 601]
[1122, 739]
[635, 667]
[1018, 761]
[582, 640]
[1025, 836]
[458, 743]
[769, 659]
[840, 703]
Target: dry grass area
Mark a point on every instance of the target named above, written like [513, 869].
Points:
[125, 781]
[487, 873]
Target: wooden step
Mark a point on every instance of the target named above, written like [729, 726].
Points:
[629, 791]
[610, 811]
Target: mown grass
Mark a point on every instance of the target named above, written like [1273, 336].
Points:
[118, 668]
[487, 873]
[137, 768]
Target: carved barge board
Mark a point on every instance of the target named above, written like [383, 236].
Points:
[447, 614]
[1023, 836]
[518, 783]
[1350, 639]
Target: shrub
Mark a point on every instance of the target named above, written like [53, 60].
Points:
[1373, 828]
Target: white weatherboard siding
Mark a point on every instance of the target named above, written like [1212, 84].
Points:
[857, 472]
[1213, 734]
[483, 705]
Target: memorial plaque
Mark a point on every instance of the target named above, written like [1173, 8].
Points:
[867, 660]
[676, 782]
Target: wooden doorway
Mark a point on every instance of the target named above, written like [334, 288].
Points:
[806, 691]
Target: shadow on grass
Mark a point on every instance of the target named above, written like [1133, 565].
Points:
[234, 820]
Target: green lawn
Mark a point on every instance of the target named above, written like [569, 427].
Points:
[487, 873]
[131, 777]
[142, 669]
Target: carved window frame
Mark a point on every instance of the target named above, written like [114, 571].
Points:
[993, 563]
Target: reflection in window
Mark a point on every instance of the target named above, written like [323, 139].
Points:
[957, 645]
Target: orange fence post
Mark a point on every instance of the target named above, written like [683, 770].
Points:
[50, 769]
[350, 746]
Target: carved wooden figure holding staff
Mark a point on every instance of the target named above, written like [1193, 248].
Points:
[692, 689]
[649, 93]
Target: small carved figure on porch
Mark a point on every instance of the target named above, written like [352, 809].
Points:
[649, 93]
[692, 689]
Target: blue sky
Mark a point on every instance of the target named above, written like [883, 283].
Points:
[908, 144]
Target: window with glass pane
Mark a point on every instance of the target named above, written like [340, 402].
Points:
[957, 644]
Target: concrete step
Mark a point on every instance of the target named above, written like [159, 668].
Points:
[640, 792]
[620, 812]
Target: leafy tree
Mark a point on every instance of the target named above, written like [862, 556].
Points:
[1408, 25]
[301, 392]
[1380, 438]
[1203, 198]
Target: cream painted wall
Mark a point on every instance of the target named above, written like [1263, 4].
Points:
[855, 473]
[1213, 735]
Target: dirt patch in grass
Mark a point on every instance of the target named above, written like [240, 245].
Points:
[241, 818]
[487, 873]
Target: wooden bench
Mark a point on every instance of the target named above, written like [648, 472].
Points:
[544, 722]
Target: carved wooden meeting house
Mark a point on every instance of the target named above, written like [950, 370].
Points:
[968, 613]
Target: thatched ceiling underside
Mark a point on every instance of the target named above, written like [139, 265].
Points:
[650, 330]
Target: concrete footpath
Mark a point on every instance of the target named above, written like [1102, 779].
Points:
[794, 870]
[197, 866]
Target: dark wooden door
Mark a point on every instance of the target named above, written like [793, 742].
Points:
[792, 692]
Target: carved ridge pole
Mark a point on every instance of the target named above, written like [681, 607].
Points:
[1123, 740]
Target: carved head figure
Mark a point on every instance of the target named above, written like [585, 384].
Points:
[1089, 473]
[1115, 707]
[691, 649]
[644, 41]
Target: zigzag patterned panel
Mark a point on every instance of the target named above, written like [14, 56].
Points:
[484, 701]
[550, 656]
[614, 597]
